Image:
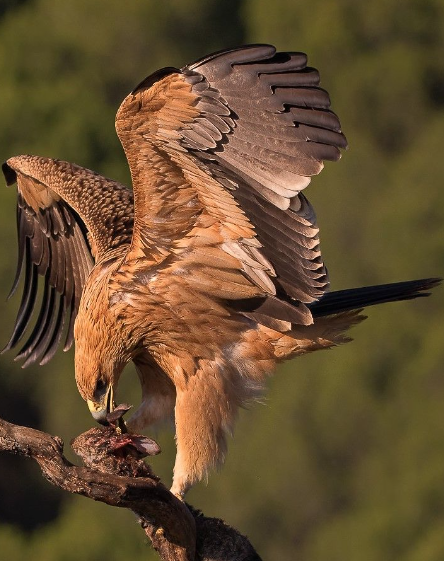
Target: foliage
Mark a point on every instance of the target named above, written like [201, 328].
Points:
[346, 458]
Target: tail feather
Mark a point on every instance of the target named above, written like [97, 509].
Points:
[356, 298]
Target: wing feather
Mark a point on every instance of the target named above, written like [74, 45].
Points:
[27, 301]
[241, 132]
[66, 217]
[57, 333]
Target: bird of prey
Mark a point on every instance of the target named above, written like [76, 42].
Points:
[208, 273]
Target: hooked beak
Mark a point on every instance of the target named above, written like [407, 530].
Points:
[99, 410]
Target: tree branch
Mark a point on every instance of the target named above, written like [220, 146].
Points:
[115, 474]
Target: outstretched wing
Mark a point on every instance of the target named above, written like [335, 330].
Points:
[219, 153]
[67, 216]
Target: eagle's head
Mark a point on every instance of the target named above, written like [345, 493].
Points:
[101, 349]
[98, 365]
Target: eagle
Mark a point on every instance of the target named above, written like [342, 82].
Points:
[206, 274]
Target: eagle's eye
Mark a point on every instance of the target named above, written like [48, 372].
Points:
[100, 389]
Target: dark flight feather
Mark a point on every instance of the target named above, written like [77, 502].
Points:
[356, 298]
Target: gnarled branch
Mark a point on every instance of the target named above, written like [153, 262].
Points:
[121, 478]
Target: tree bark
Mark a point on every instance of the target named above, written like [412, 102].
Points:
[114, 473]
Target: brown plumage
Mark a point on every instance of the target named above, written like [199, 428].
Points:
[213, 274]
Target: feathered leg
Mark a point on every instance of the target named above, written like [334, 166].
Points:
[205, 411]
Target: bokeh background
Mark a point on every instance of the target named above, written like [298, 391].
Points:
[345, 458]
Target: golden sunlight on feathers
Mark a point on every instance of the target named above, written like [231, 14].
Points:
[213, 273]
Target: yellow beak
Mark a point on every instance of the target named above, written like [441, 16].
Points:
[99, 410]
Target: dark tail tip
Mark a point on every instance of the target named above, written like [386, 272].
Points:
[418, 286]
[355, 298]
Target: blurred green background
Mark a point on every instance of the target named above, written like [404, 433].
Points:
[345, 460]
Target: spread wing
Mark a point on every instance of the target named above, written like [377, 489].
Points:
[219, 153]
[67, 216]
